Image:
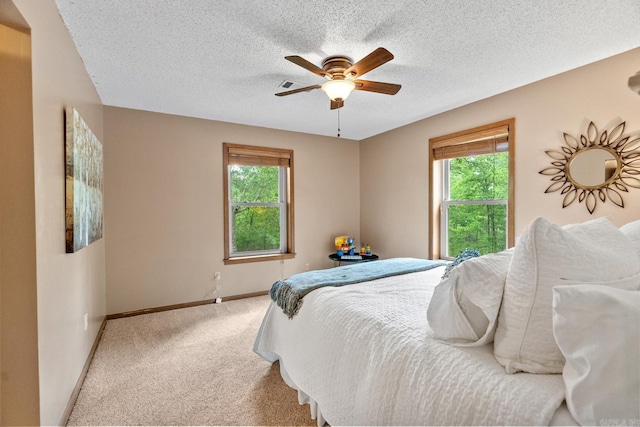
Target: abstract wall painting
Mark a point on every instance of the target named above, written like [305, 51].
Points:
[83, 159]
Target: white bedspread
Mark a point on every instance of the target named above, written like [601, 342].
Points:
[364, 354]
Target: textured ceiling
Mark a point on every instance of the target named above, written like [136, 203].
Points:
[224, 60]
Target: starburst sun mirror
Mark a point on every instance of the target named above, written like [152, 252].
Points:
[595, 166]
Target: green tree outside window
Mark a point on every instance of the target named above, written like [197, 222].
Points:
[477, 225]
[255, 208]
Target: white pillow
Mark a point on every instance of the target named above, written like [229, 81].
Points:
[546, 256]
[598, 331]
[632, 231]
[464, 306]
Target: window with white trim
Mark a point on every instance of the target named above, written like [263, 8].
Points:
[472, 181]
[258, 204]
[474, 204]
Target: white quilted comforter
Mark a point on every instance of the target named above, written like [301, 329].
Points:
[364, 355]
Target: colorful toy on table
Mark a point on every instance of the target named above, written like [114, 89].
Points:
[345, 245]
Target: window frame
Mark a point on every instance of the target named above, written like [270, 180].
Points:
[487, 139]
[281, 204]
[247, 155]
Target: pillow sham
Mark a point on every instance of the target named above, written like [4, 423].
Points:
[546, 256]
[632, 231]
[597, 328]
[464, 306]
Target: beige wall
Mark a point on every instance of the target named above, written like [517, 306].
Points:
[394, 180]
[18, 319]
[68, 285]
[164, 215]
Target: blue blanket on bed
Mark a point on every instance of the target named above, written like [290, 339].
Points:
[288, 293]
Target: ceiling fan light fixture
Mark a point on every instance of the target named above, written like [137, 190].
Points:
[338, 89]
[341, 73]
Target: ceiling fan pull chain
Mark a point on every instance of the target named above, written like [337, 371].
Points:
[338, 123]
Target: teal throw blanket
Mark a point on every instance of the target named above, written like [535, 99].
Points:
[288, 293]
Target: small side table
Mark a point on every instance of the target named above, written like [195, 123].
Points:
[340, 260]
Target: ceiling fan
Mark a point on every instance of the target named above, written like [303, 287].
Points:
[344, 76]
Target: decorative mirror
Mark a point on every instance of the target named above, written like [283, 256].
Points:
[595, 166]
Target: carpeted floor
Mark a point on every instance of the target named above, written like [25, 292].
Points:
[192, 366]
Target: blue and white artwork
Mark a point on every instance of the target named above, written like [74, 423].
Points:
[83, 158]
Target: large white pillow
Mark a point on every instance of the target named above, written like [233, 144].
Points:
[598, 331]
[464, 306]
[546, 256]
[632, 231]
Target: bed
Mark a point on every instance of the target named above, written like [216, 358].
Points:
[417, 349]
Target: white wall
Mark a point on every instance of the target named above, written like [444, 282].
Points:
[164, 212]
[68, 285]
[394, 194]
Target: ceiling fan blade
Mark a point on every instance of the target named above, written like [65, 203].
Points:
[337, 104]
[378, 87]
[369, 62]
[298, 60]
[302, 89]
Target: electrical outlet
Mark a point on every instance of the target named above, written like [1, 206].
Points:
[307, 266]
[86, 321]
[216, 275]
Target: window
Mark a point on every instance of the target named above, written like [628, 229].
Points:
[474, 204]
[472, 190]
[258, 203]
